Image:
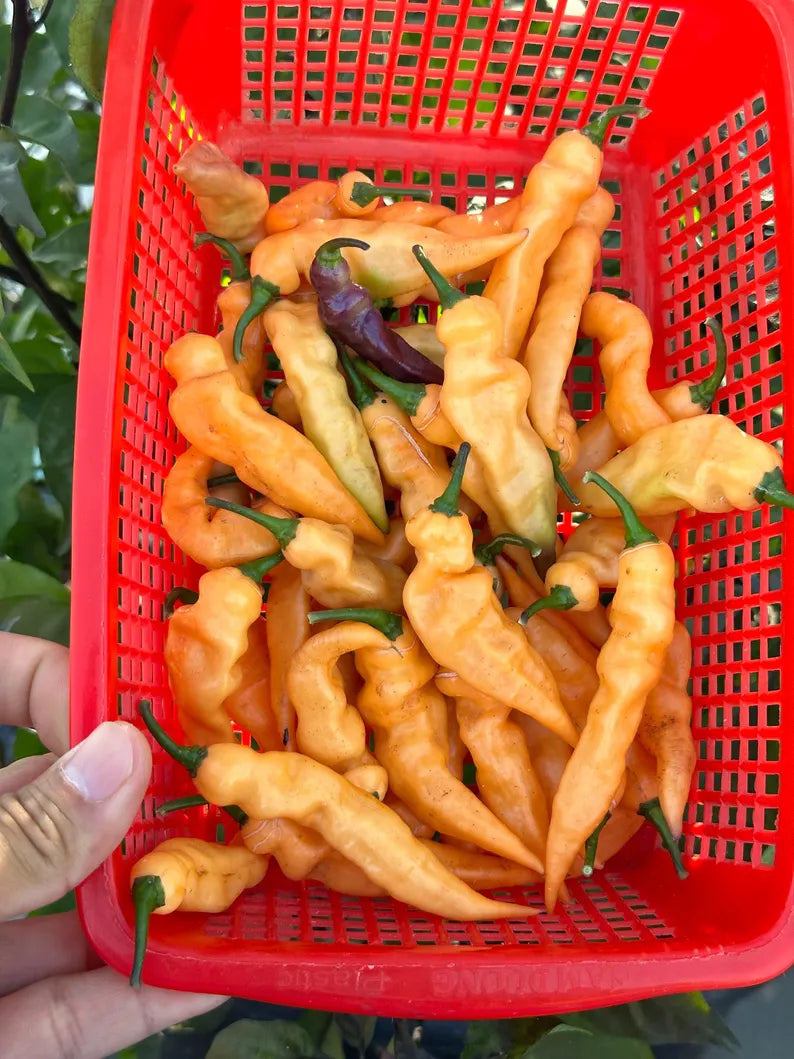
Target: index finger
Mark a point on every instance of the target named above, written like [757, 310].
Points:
[34, 691]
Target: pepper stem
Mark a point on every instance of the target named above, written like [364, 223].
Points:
[178, 594]
[559, 598]
[262, 294]
[390, 624]
[652, 810]
[636, 533]
[258, 569]
[363, 395]
[363, 193]
[447, 294]
[408, 395]
[193, 801]
[189, 756]
[772, 490]
[147, 894]
[449, 502]
[222, 479]
[591, 847]
[703, 393]
[560, 478]
[283, 529]
[596, 129]
[236, 259]
[329, 255]
[486, 553]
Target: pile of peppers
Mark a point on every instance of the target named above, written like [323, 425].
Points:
[394, 675]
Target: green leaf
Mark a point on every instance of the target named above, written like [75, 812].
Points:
[10, 363]
[332, 1044]
[18, 579]
[40, 120]
[684, 1019]
[87, 124]
[27, 744]
[316, 1024]
[40, 356]
[66, 903]
[17, 445]
[67, 247]
[41, 61]
[36, 616]
[56, 443]
[57, 28]
[35, 538]
[500, 1037]
[88, 42]
[568, 1042]
[248, 1039]
[15, 205]
[357, 1030]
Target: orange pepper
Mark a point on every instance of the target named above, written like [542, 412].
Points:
[396, 548]
[424, 338]
[500, 217]
[425, 214]
[287, 627]
[251, 371]
[284, 406]
[249, 706]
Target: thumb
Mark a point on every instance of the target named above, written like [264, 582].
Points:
[57, 829]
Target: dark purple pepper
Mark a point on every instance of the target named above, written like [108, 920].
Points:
[348, 312]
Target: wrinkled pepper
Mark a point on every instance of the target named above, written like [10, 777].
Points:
[251, 370]
[287, 626]
[424, 337]
[493, 220]
[395, 549]
[284, 406]
[271, 457]
[353, 195]
[249, 706]
[358, 826]
[425, 214]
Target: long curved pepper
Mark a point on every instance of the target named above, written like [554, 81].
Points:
[287, 627]
[396, 548]
[486, 554]
[189, 875]
[249, 705]
[358, 826]
[642, 616]
[250, 372]
[494, 219]
[360, 196]
[205, 643]
[450, 602]
[348, 312]
[424, 338]
[334, 572]
[555, 190]
[424, 214]
[484, 397]
[212, 413]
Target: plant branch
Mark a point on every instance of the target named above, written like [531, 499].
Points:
[43, 16]
[21, 31]
[31, 277]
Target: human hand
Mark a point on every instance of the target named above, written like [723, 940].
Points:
[60, 816]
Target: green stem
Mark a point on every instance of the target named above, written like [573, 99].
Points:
[772, 490]
[596, 130]
[258, 569]
[194, 801]
[147, 894]
[408, 395]
[391, 625]
[262, 294]
[449, 502]
[329, 254]
[591, 847]
[363, 193]
[560, 478]
[222, 479]
[191, 757]
[636, 533]
[363, 395]
[178, 594]
[652, 811]
[447, 294]
[703, 393]
[239, 268]
[559, 598]
[486, 553]
[283, 529]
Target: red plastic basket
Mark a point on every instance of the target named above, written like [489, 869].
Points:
[463, 96]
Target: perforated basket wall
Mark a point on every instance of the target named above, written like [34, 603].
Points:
[460, 96]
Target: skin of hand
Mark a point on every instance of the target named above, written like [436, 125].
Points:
[61, 815]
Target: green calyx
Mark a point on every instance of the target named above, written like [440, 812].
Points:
[385, 621]
[486, 553]
[447, 294]
[591, 847]
[329, 255]
[363, 193]
[262, 294]
[408, 395]
[283, 529]
[560, 478]
[222, 479]
[559, 598]
[147, 894]
[652, 810]
[363, 395]
[636, 533]
[772, 490]
[258, 569]
[703, 393]
[236, 260]
[596, 130]
[449, 502]
[191, 757]
[178, 594]
[194, 801]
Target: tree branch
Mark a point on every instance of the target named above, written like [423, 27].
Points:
[32, 278]
[21, 32]
[43, 16]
